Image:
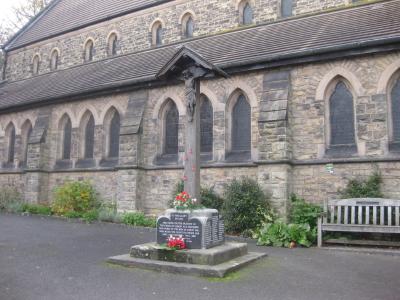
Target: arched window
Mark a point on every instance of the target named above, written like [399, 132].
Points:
[113, 134]
[187, 25]
[241, 125]
[54, 60]
[247, 14]
[157, 34]
[89, 138]
[35, 65]
[66, 134]
[171, 127]
[112, 44]
[10, 137]
[341, 116]
[89, 49]
[395, 108]
[286, 8]
[206, 125]
[26, 133]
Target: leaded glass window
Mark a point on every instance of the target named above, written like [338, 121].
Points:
[26, 141]
[35, 66]
[247, 14]
[89, 138]
[286, 8]
[54, 60]
[159, 35]
[206, 126]
[67, 134]
[241, 125]
[113, 150]
[11, 144]
[189, 27]
[342, 116]
[112, 44]
[395, 99]
[171, 129]
[89, 51]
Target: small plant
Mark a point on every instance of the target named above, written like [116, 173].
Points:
[77, 196]
[91, 215]
[138, 219]
[73, 214]
[245, 206]
[108, 213]
[8, 196]
[176, 243]
[302, 212]
[36, 209]
[183, 201]
[369, 188]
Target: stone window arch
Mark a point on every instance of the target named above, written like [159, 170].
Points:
[54, 59]
[245, 13]
[187, 25]
[157, 34]
[26, 131]
[88, 50]
[10, 143]
[112, 44]
[35, 64]
[170, 128]
[286, 8]
[65, 128]
[112, 126]
[206, 125]
[340, 117]
[87, 131]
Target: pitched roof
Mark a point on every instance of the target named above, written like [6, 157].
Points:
[368, 27]
[62, 16]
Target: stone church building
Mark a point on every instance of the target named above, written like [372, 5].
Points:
[311, 98]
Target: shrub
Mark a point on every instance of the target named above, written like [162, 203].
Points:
[91, 215]
[302, 212]
[77, 196]
[36, 209]
[108, 213]
[369, 188]
[209, 198]
[8, 196]
[245, 205]
[138, 219]
[280, 234]
[73, 214]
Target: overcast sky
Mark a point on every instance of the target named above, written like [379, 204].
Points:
[5, 8]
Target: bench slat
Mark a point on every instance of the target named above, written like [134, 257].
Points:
[382, 218]
[397, 216]
[332, 220]
[339, 215]
[360, 218]
[353, 215]
[390, 216]
[346, 215]
[374, 215]
[367, 215]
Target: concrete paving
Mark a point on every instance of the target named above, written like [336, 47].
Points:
[47, 258]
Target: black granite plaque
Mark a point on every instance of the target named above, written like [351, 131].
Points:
[180, 225]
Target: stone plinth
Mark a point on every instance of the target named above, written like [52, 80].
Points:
[201, 228]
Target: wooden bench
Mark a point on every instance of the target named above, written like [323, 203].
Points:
[371, 215]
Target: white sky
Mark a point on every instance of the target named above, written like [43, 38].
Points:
[5, 8]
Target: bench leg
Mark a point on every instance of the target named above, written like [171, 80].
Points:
[319, 232]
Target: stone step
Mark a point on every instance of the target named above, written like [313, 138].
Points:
[183, 268]
[213, 256]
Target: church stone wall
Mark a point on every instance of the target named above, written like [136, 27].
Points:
[134, 30]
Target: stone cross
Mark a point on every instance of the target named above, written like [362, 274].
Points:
[192, 76]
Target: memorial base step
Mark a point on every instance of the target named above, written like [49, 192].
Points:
[220, 270]
[213, 256]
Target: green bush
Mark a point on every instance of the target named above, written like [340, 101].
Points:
[77, 196]
[138, 219]
[369, 188]
[36, 209]
[280, 234]
[302, 212]
[91, 215]
[209, 198]
[9, 195]
[245, 205]
[73, 214]
[108, 213]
